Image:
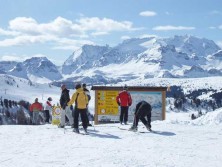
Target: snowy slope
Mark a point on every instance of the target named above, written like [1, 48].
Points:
[174, 144]
[36, 69]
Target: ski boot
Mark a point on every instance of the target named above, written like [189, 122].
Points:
[133, 129]
[76, 130]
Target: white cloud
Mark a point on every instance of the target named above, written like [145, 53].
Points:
[216, 12]
[148, 13]
[11, 58]
[172, 28]
[104, 25]
[212, 27]
[147, 36]
[27, 30]
[125, 37]
[99, 33]
[68, 44]
[8, 33]
[220, 27]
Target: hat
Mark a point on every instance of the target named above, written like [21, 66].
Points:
[78, 85]
[36, 99]
[49, 99]
[125, 87]
[84, 85]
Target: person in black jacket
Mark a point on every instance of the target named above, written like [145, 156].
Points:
[143, 109]
[66, 111]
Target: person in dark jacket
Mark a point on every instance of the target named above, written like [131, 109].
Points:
[143, 109]
[124, 100]
[89, 97]
[66, 111]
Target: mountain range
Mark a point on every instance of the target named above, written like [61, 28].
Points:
[154, 57]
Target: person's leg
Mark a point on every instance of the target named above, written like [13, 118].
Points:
[121, 114]
[62, 118]
[84, 118]
[149, 119]
[34, 117]
[76, 118]
[47, 116]
[69, 115]
[126, 114]
[144, 121]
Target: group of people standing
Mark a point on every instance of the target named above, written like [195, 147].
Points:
[81, 98]
[37, 111]
[143, 110]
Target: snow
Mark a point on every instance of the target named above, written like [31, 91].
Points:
[172, 144]
[178, 141]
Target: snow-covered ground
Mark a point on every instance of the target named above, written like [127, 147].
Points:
[176, 142]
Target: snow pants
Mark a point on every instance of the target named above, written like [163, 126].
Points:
[35, 118]
[123, 114]
[84, 118]
[67, 112]
[142, 116]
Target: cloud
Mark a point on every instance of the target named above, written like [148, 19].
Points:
[147, 36]
[68, 44]
[148, 13]
[99, 33]
[26, 30]
[172, 28]
[216, 12]
[212, 27]
[8, 33]
[220, 27]
[104, 25]
[11, 58]
[125, 37]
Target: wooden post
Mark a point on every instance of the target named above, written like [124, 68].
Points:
[163, 105]
[96, 108]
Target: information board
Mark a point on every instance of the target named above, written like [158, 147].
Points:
[56, 114]
[107, 103]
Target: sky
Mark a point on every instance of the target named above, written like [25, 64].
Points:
[56, 28]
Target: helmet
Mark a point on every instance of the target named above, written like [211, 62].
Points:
[49, 99]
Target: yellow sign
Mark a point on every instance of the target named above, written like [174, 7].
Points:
[56, 114]
[107, 103]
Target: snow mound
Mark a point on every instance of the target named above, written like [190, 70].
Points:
[210, 118]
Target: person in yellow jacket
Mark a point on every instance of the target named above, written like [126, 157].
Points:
[81, 101]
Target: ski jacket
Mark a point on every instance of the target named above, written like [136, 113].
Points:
[36, 107]
[87, 93]
[80, 98]
[64, 99]
[124, 99]
[143, 108]
[48, 106]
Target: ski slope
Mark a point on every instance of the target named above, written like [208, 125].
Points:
[177, 142]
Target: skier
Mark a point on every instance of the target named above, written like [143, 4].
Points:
[36, 108]
[124, 100]
[48, 110]
[89, 97]
[143, 109]
[66, 111]
[81, 101]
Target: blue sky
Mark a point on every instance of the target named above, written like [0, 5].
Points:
[55, 28]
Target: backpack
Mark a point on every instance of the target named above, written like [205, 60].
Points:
[81, 100]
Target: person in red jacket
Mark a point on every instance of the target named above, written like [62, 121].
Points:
[124, 100]
[36, 107]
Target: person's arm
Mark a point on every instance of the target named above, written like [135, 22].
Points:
[129, 99]
[137, 107]
[117, 100]
[72, 100]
